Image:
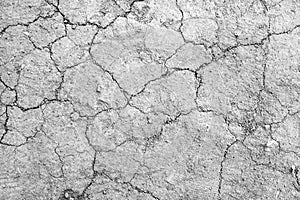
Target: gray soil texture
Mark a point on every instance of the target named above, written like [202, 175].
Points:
[149, 99]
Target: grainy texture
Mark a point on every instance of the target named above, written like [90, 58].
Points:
[149, 99]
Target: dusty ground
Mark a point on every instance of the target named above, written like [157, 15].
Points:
[149, 99]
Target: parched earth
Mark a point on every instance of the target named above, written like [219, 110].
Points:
[149, 99]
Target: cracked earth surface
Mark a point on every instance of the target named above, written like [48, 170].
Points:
[149, 99]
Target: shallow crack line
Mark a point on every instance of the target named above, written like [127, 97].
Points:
[5, 85]
[94, 175]
[60, 86]
[181, 32]
[199, 83]
[151, 140]
[268, 164]
[125, 93]
[264, 4]
[295, 172]
[6, 129]
[100, 27]
[128, 183]
[25, 24]
[222, 167]
[86, 23]
[199, 80]
[261, 42]
[264, 71]
[92, 42]
[45, 101]
[164, 75]
[169, 72]
[136, 188]
[265, 54]
[61, 162]
[27, 138]
[117, 4]
[255, 44]
[181, 21]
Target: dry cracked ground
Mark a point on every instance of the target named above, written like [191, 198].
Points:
[149, 99]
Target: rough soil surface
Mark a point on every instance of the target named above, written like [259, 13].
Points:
[149, 99]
